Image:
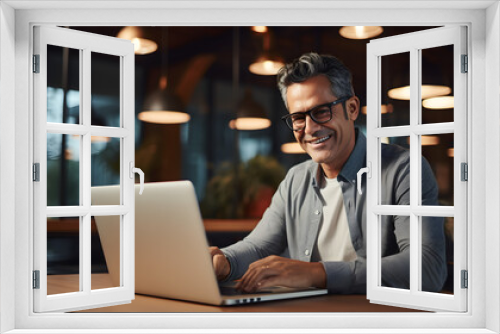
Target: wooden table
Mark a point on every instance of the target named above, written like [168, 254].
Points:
[325, 303]
[149, 304]
[71, 225]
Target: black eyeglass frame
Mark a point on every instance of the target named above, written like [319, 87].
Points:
[309, 112]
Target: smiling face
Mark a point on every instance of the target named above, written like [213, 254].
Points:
[328, 144]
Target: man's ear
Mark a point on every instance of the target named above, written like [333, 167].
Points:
[353, 106]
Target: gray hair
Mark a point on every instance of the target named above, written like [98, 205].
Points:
[310, 65]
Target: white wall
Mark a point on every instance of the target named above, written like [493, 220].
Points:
[7, 57]
[492, 163]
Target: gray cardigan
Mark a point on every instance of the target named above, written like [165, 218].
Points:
[291, 223]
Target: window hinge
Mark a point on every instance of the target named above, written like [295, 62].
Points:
[465, 279]
[36, 172]
[465, 64]
[36, 63]
[36, 279]
[464, 171]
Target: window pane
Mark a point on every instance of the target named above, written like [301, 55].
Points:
[106, 269]
[105, 90]
[437, 81]
[437, 254]
[63, 169]
[63, 255]
[395, 251]
[438, 151]
[63, 85]
[395, 151]
[395, 89]
[105, 168]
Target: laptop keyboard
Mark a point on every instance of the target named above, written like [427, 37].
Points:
[232, 291]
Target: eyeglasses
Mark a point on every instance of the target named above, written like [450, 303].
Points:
[320, 114]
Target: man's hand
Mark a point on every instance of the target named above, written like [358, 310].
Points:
[275, 270]
[221, 264]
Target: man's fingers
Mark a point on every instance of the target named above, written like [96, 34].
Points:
[268, 282]
[257, 271]
[252, 277]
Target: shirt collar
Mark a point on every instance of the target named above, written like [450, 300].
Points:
[354, 163]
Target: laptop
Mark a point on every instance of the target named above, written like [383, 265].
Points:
[171, 249]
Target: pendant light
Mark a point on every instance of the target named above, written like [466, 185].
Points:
[250, 115]
[268, 63]
[259, 29]
[439, 103]
[427, 140]
[384, 109]
[292, 148]
[141, 38]
[427, 91]
[360, 32]
[163, 106]
[434, 81]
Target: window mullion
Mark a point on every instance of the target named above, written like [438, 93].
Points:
[85, 245]
[82, 161]
[86, 117]
[414, 170]
[85, 250]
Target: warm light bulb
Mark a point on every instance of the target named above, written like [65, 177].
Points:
[440, 102]
[384, 109]
[427, 91]
[428, 140]
[164, 117]
[265, 67]
[268, 65]
[360, 32]
[142, 46]
[250, 123]
[99, 139]
[260, 29]
[292, 148]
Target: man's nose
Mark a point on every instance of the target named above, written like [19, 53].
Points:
[311, 126]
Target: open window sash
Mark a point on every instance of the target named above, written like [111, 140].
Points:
[84, 131]
[414, 44]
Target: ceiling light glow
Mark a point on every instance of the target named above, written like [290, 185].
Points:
[427, 91]
[250, 123]
[292, 148]
[360, 32]
[164, 117]
[439, 103]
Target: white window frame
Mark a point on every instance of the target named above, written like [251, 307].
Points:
[413, 44]
[483, 20]
[123, 50]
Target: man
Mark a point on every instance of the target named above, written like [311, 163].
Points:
[316, 216]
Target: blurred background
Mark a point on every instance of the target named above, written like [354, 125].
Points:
[208, 110]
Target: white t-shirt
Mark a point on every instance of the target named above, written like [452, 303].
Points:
[334, 239]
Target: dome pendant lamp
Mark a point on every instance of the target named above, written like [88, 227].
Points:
[163, 106]
[141, 37]
[250, 114]
[268, 63]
